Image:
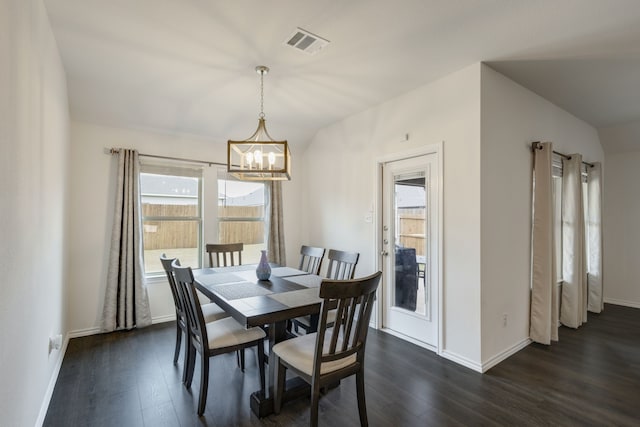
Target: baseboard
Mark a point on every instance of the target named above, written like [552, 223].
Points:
[625, 303]
[461, 360]
[84, 332]
[505, 354]
[52, 383]
[163, 319]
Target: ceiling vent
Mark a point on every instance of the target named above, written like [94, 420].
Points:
[306, 42]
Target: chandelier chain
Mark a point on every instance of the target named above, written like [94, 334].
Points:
[261, 95]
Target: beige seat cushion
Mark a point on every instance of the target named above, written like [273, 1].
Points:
[227, 332]
[212, 311]
[298, 352]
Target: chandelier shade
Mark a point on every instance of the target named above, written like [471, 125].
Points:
[259, 157]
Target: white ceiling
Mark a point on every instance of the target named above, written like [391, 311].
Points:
[187, 66]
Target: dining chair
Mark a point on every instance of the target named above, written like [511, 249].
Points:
[342, 266]
[210, 312]
[332, 353]
[311, 259]
[213, 338]
[224, 251]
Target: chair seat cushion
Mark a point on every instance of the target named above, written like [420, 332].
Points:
[212, 311]
[228, 332]
[298, 352]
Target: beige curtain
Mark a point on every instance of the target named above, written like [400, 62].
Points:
[594, 238]
[573, 309]
[126, 304]
[275, 226]
[543, 326]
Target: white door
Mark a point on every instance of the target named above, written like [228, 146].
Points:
[410, 248]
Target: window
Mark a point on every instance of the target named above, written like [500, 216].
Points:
[241, 215]
[171, 215]
[557, 210]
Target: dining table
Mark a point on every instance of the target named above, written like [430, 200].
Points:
[270, 304]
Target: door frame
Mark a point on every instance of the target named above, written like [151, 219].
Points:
[437, 149]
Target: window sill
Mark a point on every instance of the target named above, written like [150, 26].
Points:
[152, 280]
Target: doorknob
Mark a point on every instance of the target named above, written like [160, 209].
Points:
[384, 253]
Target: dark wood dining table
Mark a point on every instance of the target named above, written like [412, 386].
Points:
[289, 293]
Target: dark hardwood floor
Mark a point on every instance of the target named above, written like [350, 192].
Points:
[590, 377]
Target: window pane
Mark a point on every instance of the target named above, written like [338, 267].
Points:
[177, 239]
[170, 216]
[238, 199]
[169, 196]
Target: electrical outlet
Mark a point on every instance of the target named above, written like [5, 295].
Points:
[505, 318]
[55, 343]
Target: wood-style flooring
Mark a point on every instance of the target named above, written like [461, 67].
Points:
[590, 377]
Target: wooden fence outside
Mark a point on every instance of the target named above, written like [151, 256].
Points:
[411, 229]
[184, 234]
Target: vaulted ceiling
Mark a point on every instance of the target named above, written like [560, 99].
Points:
[187, 66]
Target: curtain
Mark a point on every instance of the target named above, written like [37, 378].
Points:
[573, 309]
[544, 297]
[126, 304]
[594, 238]
[275, 227]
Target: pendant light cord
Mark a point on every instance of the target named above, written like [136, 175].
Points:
[261, 94]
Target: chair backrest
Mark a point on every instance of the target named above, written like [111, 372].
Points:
[311, 259]
[197, 327]
[342, 265]
[353, 302]
[177, 300]
[224, 251]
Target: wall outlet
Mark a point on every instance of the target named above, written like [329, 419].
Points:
[505, 319]
[55, 343]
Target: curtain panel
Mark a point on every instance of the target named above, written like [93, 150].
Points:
[126, 304]
[594, 238]
[573, 308]
[275, 225]
[543, 326]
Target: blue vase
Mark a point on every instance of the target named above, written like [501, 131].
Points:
[263, 271]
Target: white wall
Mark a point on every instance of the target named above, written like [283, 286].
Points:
[91, 212]
[33, 177]
[621, 270]
[512, 118]
[340, 179]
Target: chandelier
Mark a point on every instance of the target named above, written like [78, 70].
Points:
[259, 157]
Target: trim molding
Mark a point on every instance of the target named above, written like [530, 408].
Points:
[624, 303]
[163, 319]
[493, 361]
[461, 360]
[52, 383]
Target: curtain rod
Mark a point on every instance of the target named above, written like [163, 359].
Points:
[537, 146]
[117, 150]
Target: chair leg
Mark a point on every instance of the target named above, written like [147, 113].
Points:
[191, 364]
[362, 405]
[187, 360]
[260, 352]
[315, 397]
[204, 384]
[281, 373]
[176, 353]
